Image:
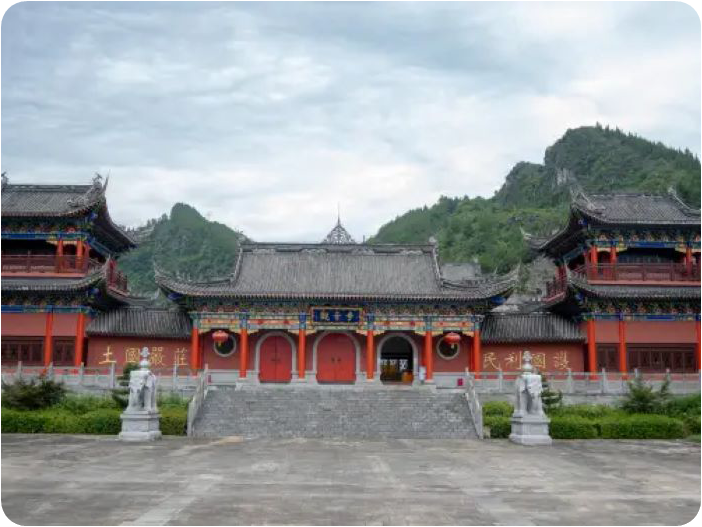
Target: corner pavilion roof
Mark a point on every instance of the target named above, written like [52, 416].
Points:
[59, 201]
[630, 210]
[338, 271]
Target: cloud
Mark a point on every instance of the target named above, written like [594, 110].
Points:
[266, 115]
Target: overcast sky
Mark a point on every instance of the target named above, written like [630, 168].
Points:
[264, 116]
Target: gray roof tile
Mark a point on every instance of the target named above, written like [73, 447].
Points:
[141, 322]
[339, 271]
[532, 327]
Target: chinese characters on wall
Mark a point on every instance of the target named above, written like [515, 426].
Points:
[511, 361]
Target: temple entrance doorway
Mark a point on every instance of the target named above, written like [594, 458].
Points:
[336, 359]
[275, 359]
[397, 360]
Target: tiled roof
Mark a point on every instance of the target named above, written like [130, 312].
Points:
[637, 208]
[65, 200]
[334, 271]
[650, 292]
[53, 284]
[532, 327]
[141, 322]
[48, 200]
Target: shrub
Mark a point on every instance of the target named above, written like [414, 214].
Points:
[21, 422]
[80, 404]
[173, 421]
[502, 408]
[101, 421]
[588, 411]
[551, 400]
[32, 395]
[643, 399]
[643, 426]
[500, 425]
[572, 427]
[682, 405]
[692, 422]
[171, 400]
[57, 422]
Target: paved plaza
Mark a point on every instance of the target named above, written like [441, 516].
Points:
[59, 480]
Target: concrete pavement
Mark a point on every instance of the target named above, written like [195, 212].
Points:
[60, 480]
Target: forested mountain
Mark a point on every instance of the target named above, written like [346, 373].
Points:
[535, 197]
[182, 243]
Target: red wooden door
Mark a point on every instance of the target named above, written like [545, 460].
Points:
[345, 367]
[275, 360]
[336, 359]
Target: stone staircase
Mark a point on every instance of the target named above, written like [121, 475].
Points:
[333, 412]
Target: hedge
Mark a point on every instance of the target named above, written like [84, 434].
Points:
[100, 421]
[572, 427]
[643, 426]
[501, 408]
[587, 411]
[500, 426]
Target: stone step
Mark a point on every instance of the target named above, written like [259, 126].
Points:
[256, 411]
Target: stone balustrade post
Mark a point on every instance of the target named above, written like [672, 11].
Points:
[603, 381]
[19, 369]
[570, 387]
[111, 382]
[500, 381]
[81, 373]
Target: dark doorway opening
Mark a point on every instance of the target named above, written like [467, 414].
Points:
[396, 361]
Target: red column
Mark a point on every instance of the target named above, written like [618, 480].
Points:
[469, 354]
[697, 347]
[370, 355]
[194, 347]
[622, 346]
[612, 255]
[477, 353]
[301, 344]
[428, 356]
[591, 346]
[80, 339]
[59, 255]
[48, 344]
[244, 358]
[688, 261]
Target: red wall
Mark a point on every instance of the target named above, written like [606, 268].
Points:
[556, 356]
[23, 324]
[645, 332]
[163, 351]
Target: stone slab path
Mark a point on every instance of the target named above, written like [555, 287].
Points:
[96, 480]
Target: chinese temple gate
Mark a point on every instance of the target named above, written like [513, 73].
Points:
[626, 296]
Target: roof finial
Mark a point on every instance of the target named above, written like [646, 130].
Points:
[5, 179]
[338, 213]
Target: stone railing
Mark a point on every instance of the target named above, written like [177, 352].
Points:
[198, 398]
[476, 411]
[98, 378]
[589, 383]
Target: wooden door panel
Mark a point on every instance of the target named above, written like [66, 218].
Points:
[283, 366]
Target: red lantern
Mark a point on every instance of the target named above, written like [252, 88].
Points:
[220, 337]
[452, 338]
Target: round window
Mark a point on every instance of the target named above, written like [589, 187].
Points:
[447, 351]
[226, 348]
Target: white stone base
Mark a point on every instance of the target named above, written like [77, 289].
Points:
[530, 430]
[140, 426]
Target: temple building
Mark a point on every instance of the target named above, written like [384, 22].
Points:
[628, 270]
[626, 295]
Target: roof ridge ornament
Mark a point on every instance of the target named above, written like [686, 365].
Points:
[5, 180]
[339, 235]
[96, 190]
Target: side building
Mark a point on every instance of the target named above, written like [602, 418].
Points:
[58, 270]
[628, 272]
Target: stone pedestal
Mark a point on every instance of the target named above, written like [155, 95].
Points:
[140, 425]
[530, 430]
